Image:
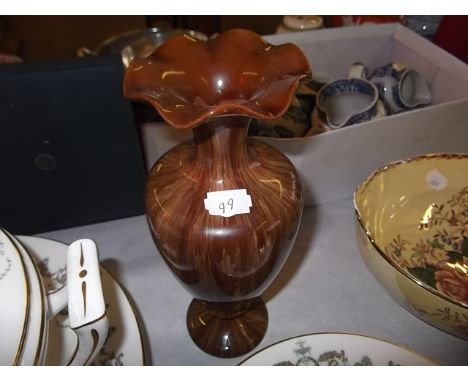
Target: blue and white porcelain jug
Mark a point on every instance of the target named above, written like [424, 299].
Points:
[347, 101]
[400, 87]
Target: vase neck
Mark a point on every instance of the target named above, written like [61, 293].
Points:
[219, 137]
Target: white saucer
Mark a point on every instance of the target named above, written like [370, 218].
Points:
[124, 344]
[335, 349]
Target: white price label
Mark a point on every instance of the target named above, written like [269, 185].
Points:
[436, 180]
[228, 203]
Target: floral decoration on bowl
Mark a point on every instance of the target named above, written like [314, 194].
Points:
[441, 260]
[412, 226]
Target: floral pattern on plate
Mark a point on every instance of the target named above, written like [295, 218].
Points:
[329, 358]
[335, 349]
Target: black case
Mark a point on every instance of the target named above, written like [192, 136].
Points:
[70, 153]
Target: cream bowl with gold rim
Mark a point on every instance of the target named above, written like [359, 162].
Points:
[412, 230]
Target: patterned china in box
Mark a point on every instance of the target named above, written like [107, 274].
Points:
[292, 124]
[412, 229]
[400, 87]
[348, 101]
[298, 120]
[313, 86]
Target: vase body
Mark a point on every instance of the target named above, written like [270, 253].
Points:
[223, 209]
[225, 262]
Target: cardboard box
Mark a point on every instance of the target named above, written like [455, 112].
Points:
[333, 163]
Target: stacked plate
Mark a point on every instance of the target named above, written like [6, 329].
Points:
[336, 349]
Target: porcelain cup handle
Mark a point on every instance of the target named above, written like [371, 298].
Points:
[86, 306]
[358, 70]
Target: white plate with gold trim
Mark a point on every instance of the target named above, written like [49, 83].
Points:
[335, 349]
[124, 343]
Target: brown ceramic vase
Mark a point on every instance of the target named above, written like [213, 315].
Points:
[224, 248]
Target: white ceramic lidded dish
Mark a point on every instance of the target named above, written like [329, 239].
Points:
[27, 305]
[34, 335]
[14, 301]
[123, 345]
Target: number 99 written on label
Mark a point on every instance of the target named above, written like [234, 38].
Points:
[228, 202]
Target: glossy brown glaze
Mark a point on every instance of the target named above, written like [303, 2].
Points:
[223, 258]
[189, 80]
[227, 331]
[225, 262]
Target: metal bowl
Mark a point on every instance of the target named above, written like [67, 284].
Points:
[136, 43]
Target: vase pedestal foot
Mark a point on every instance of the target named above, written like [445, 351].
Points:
[227, 330]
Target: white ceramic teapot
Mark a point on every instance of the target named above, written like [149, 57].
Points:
[27, 304]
